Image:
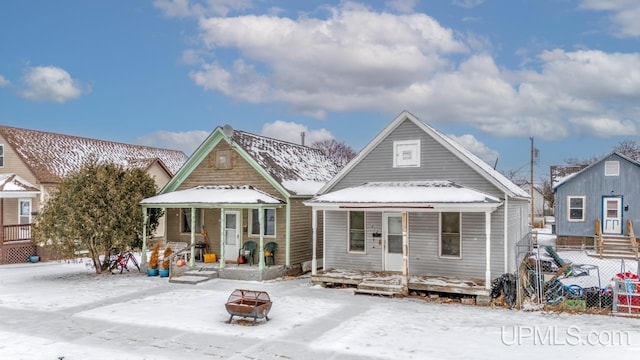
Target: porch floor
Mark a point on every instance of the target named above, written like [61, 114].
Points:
[429, 283]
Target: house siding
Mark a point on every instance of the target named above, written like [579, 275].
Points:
[336, 242]
[14, 164]
[592, 184]
[423, 245]
[436, 163]
[302, 233]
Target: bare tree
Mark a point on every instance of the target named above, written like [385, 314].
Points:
[339, 152]
[547, 191]
[628, 148]
[582, 162]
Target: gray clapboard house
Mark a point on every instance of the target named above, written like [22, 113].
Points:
[598, 205]
[416, 203]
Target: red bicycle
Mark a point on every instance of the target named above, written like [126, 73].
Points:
[119, 262]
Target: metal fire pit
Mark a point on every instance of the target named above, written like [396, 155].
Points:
[248, 303]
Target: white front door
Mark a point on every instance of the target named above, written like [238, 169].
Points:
[392, 232]
[612, 215]
[231, 234]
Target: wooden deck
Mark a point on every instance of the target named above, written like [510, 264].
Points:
[386, 283]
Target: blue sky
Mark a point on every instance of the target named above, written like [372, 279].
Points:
[490, 73]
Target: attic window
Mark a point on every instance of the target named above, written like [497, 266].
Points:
[611, 168]
[406, 153]
[223, 159]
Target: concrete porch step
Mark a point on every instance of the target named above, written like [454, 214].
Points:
[194, 277]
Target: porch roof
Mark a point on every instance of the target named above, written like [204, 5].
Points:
[213, 197]
[426, 195]
[13, 186]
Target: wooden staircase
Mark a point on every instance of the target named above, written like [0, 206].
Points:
[619, 247]
[385, 287]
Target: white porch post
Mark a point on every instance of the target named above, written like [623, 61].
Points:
[143, 256]
[260, 249]
[487, 226]
[405, 254]
[314, 241]
[192, 260]
[222, 238]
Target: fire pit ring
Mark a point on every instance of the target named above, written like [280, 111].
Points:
[248, 303]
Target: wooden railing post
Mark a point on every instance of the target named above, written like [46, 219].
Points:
[632, 238]
[599, 237]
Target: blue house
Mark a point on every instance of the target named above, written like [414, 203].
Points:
[598, 205]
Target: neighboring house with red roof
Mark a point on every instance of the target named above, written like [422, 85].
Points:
[32, 163]
[237, 183]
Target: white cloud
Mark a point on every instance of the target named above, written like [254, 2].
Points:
[50, 83]
[478, 148]
[291, 132]
[358, 59]
[3, 82]
[345, 62]
[187, 141]
[625, 14]
[603, 126]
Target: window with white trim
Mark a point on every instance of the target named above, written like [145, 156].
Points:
[575, 208]
[24, 209]
[612, 168]
[450, 239]
[269, 222]
[406, 153]
[356, 231]
[185, 219]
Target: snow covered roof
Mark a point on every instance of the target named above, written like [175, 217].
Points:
[465, 155]
[13, 186]
[405, 194]
[52, 156]
[213, 196]
[300, 169]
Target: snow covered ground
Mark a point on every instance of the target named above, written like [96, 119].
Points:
[58, 310]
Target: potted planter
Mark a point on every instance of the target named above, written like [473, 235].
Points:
[152, 270]
[34, 258]
[166, 262]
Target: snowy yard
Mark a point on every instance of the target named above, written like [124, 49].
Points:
[53, 310]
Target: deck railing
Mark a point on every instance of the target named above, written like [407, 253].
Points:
[13, 233]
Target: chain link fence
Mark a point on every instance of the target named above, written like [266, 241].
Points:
[576, 279]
